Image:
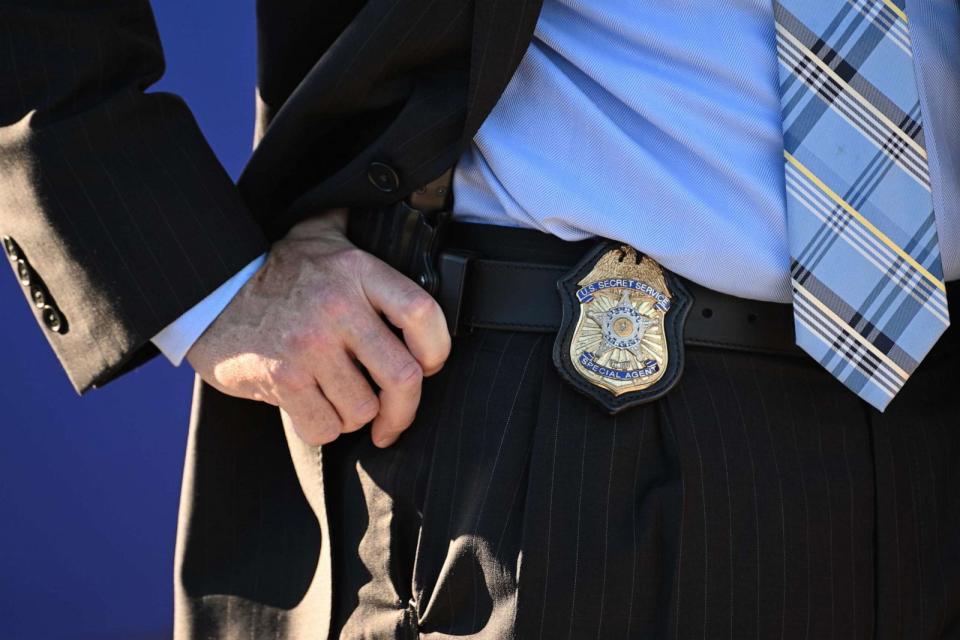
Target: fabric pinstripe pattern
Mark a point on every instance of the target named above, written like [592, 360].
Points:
[757, 500]
[113, 194]
[869, 295]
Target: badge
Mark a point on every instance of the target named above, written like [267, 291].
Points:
[621, 339]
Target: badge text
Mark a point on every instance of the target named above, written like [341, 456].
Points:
[585, 294]
[650, 367]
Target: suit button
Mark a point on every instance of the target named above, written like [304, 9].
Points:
[52, 318]
[383, 177]
[23, 272]
[38, 296]
[10, 247]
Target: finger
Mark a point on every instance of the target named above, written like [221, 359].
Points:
[396, 372]
[311, 416]
[347, 390]
[411, 309]
[398, 406]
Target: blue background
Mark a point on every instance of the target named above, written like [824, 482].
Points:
[89, 486]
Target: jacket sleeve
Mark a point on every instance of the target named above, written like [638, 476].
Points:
[116, 216]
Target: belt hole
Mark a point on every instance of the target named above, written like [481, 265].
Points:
[707, 313]
[752, 318]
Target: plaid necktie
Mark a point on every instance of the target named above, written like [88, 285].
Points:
[868, 293]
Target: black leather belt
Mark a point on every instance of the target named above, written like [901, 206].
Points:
[484, 285]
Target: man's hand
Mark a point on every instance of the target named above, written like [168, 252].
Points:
[296, 333]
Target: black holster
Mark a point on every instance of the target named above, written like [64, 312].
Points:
[409, 236]
[406, 238]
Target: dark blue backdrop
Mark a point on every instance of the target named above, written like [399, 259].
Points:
[89, 486]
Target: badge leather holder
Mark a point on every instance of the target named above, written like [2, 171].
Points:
[621, 337]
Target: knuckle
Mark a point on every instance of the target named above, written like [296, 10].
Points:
[296, 340]
[353, 256]
[288, 379]
[419, 306]
[354, 262]
[321, 429]
[307, 339]
[407, 374]
[365, 411]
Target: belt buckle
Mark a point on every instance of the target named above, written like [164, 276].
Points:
[621, 338]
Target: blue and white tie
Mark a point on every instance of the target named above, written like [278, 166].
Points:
[868, 291]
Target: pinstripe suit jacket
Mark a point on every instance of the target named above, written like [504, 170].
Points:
[117, 211]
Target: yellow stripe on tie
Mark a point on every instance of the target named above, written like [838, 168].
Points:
[897, 10]
[862, 220]
[860, 338]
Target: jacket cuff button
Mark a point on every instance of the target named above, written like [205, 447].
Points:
[23, 272]
[10, 248]
[53, 319]
[38, 296]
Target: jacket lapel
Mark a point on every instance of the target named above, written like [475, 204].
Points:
[501, 33]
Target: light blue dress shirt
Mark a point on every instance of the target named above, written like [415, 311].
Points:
[657, 123]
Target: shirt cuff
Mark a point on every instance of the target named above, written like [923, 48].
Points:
[175, 340]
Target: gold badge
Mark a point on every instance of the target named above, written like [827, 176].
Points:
[617, 333]
[619, 341]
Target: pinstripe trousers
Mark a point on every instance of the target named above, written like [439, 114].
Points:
[758, 499]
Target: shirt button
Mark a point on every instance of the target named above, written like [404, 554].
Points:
[52, 318]
[383, 177]
[10, 247]
[23, 272]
